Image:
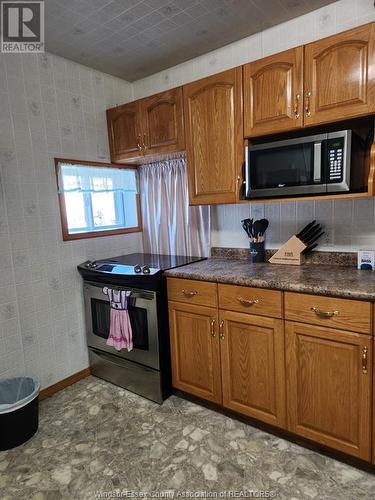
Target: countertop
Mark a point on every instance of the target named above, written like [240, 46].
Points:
[330, 280]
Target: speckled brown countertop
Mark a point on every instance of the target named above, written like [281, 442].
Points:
[338, 281]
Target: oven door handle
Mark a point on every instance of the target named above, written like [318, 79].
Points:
[138, 294]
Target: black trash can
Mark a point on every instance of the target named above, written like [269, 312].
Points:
[19, 411]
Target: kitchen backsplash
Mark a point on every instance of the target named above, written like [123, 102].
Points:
[49, 107]
[349, 224]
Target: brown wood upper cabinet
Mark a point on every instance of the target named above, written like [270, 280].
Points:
[273, 93]
[339, 74]
[214, 137]
[328, 80]
[124, 126]
[150, 126]
[163, 123]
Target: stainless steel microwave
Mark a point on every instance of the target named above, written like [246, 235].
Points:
[302, 166]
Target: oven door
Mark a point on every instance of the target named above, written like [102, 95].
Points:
[143, 318]
[285, 168]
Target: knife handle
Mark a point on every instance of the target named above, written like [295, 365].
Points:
[310, 248]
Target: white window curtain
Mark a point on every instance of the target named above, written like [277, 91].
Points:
[170, 226]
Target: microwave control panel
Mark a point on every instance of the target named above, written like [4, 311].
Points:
[335, 156]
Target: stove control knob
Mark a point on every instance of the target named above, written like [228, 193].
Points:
[137, 269]
[146, 270]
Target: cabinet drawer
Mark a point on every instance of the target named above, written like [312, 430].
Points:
[252, 300]
[346, 314]
[203, 293]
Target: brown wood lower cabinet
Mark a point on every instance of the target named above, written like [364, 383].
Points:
[329, 381]
[195, 350]
[253, 367]
[314, 380]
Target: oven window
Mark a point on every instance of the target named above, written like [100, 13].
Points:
[283, 166]
[100, 312]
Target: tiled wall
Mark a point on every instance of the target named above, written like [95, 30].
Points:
[349, 224]
[49, 107]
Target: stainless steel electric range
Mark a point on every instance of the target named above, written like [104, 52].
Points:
[146, 369]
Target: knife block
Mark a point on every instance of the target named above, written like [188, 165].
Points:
[290, 253]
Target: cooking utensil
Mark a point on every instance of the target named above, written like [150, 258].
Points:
[257, 227]
[264, 225]
[247, 225]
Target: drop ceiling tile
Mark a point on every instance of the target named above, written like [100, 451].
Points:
[196, 10]
[135, 38]
[170, 10]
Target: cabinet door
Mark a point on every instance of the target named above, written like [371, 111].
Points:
[273, 91]
[329, 387]
[340, 76]
[214, 137]
[195, 350]
[253, 367]
[124, 129]
[162, 122]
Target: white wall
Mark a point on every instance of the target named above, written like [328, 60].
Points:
[49, 107]
[349, 224]
[53, 107]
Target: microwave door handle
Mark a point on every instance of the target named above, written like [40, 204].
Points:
[317, 162]
[247, 173]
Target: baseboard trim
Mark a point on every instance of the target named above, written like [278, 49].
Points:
[66, 382]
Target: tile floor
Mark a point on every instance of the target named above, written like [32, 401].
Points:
[97, 440]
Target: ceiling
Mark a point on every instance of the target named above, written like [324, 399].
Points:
[132, 39]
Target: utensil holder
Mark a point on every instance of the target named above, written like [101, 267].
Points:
[257, 252]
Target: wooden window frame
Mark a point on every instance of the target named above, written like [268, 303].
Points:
[92, 234]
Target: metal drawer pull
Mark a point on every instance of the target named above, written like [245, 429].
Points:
[221, 330]
[324, 314]
[189, 293]
[247, 302]
[139, 146]
[364, 360]
[213, 331]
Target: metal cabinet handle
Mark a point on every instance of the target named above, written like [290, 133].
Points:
[221, 330]
[364, 359]
[139, 145]
[189, 293]
[324, 314]
[308, 104]
[144, 145]
[296, 107]
[247, 302]
[213, 330]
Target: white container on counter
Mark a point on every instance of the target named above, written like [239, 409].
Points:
[366, 259]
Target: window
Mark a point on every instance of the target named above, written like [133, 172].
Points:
[97, 199]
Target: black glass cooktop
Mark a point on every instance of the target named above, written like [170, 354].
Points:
[135, 264]
[154, 261]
